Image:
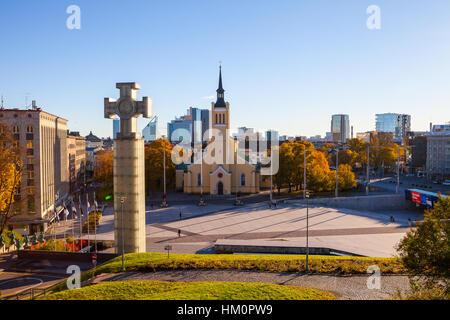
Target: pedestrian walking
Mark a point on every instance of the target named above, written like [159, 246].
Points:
[179, 233]
[180, 214]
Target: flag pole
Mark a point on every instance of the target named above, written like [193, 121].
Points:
[65, 223]
[73, 227]
[88, 222]
[81, 214]
[95, 224]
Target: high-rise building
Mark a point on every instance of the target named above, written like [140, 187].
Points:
[193, 125]
[42, 138]
[397, 124]
[419, 153]
[340, 128]
[116, 127]
[441, 127]
[150, 132]
[438, 155]
[271, 135]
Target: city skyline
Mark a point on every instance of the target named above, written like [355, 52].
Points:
[319, 62]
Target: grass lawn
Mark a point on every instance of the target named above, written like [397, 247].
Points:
[160, 290]
[149, 262]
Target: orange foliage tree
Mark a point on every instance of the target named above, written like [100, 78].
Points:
[154, 171]
[103, 170]
[11, 168]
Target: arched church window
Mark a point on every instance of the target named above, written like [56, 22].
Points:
[242, 179]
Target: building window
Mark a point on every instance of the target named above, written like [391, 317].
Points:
[30, 190]
[199, 179]
[29, 129]
[220, 175]
[30, 144]
[31, 204]
[16, 129]
[242, 179]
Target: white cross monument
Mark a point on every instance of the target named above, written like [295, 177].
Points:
[129, 168]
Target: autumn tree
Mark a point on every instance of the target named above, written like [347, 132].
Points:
[154, 166]
[346, 178]
[11, 168]
[348, 157]
[317, 172]
[103, 170]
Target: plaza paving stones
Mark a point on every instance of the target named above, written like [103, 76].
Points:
[364, 233]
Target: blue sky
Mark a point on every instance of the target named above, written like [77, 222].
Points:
[287, 65]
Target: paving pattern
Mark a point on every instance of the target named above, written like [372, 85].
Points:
[364, 233]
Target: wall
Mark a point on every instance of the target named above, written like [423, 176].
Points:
[366, 203]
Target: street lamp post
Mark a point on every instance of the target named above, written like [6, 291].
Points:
[236, 148]
[304, 171]
[368, 165]
[164, 202]
[201, 202]
[307, 231]
[398, 169]
[122, 200]
[337, 173]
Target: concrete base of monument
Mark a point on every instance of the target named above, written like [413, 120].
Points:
[129, 195]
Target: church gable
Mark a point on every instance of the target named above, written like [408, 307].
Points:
[220, 168]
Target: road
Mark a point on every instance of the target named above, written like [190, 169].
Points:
[12, 283]
[390, 183]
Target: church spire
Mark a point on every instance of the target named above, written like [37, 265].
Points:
[220, 103]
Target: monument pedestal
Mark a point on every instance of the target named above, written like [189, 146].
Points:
[129, 168]
[129, 183]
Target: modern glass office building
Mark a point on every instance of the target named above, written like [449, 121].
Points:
[398, 124]
[150, 132]
[191, 126]
[116, 127]
[340, 128]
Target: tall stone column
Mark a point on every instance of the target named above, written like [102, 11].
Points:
[129, 169]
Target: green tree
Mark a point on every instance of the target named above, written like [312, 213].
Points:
[425, 250]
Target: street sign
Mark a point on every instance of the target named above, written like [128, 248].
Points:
[168, 248]
[94, 259]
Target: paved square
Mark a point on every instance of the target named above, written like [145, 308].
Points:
[363, 233]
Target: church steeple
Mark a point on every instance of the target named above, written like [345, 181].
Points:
[220, 103]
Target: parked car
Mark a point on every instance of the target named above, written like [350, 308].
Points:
[446, 183]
